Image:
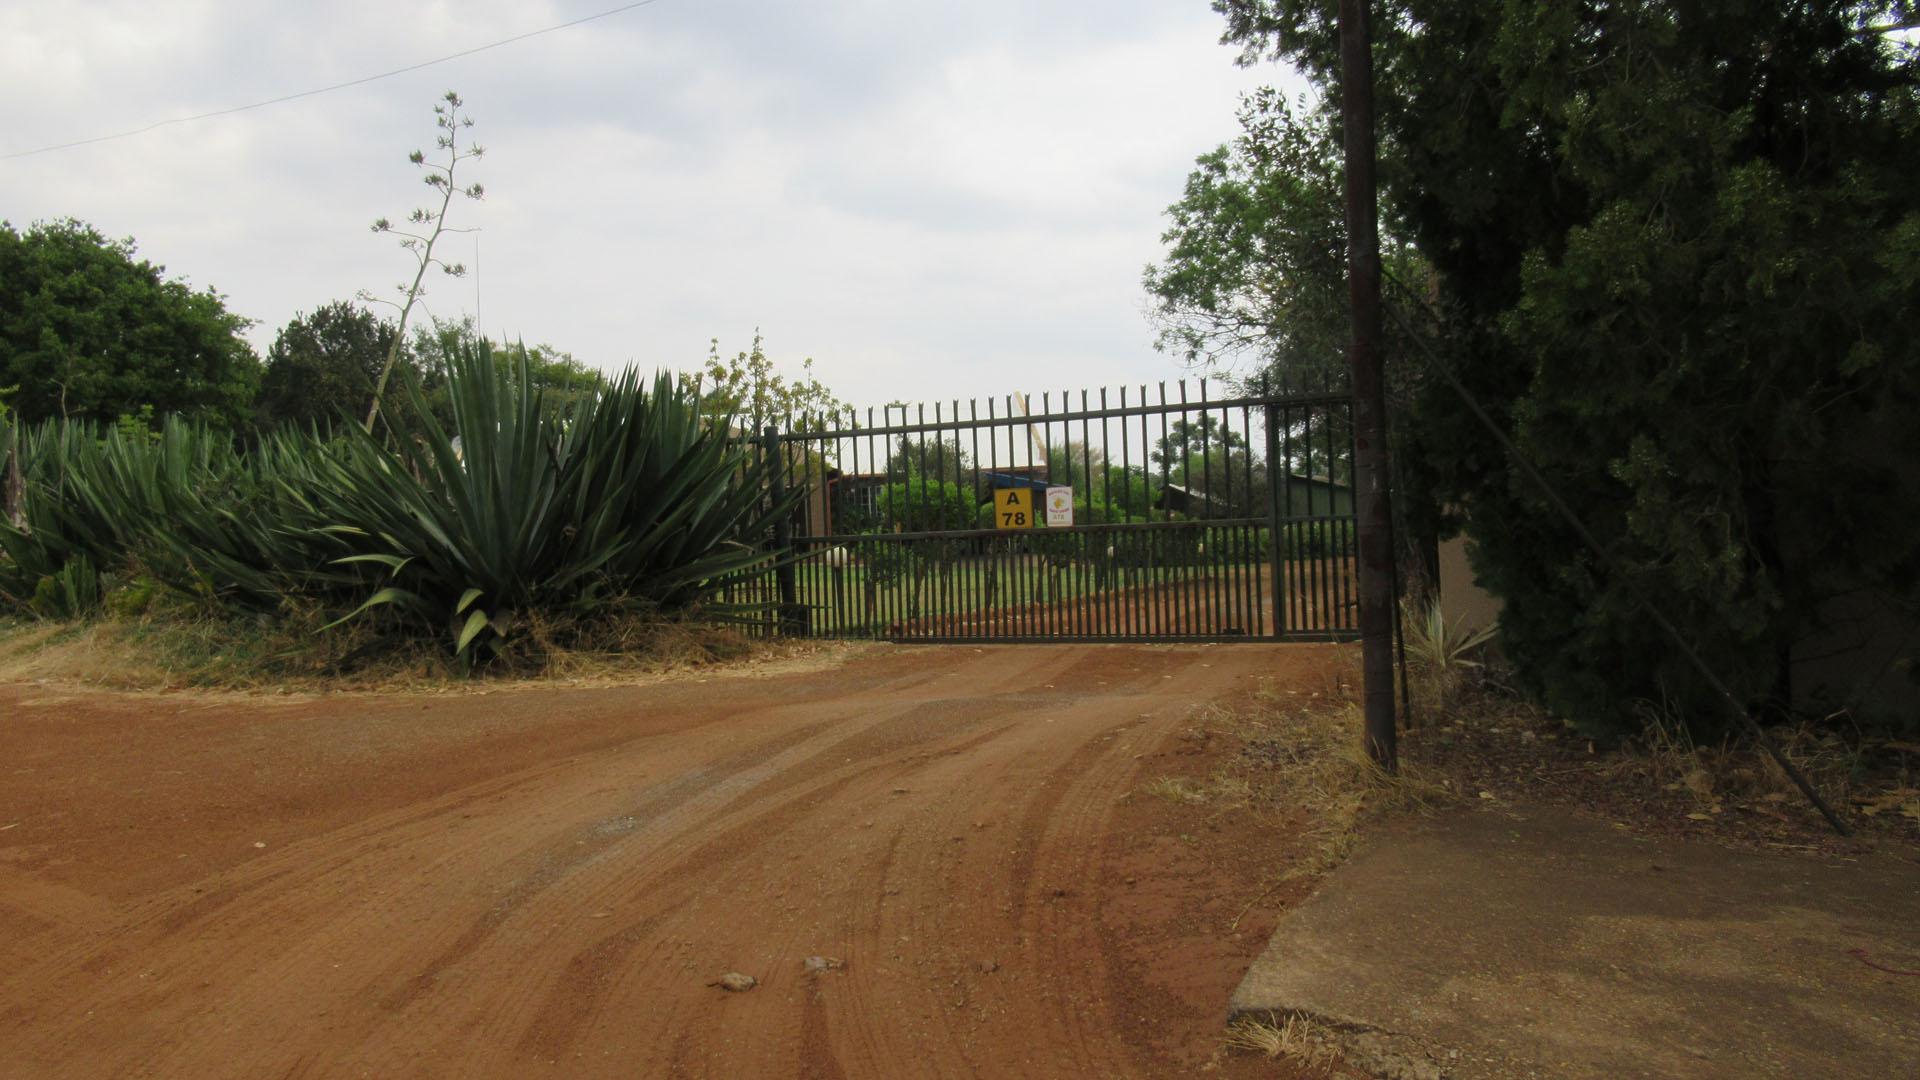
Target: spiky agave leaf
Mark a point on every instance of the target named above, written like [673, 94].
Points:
[630, 499]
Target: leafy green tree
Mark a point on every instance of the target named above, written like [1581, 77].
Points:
[944, 459]
[753, 393]
[321, 367]
[1131, 490]
[1254, 278]
[1075, 463]
[1104, 493]
[561, 381]
[1254, 275]
[920, 503]
[1253, 284]
[1674, 250]
[90, 331]
[1212, 461]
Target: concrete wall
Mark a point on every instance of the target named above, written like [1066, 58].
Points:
[1462, 600]
[1860, 661]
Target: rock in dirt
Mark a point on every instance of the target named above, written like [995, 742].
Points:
[817, 964]
[735, 982]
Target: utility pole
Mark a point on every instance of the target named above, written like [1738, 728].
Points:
[1370, 465]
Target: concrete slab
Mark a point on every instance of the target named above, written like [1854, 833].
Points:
[1491, 943]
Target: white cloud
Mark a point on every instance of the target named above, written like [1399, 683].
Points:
[930, 200]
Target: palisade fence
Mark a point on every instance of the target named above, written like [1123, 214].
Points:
[1096, 516]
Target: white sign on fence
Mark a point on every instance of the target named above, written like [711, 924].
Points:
[1059, 506]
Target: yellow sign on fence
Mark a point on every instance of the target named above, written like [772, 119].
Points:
[1012, 508]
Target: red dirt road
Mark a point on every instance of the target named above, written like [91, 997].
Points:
[544, 882]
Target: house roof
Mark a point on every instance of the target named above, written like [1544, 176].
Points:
[1008, 478]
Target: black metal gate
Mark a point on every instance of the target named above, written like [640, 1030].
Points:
[1091, 518]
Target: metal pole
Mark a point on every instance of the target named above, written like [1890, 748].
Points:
[789, 620]
[1373, 506]
[1279, 502]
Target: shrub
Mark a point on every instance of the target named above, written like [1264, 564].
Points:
[630, 501]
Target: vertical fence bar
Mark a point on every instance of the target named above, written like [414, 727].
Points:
[991, 622]
[1191, 548]
[1211, 598]
[885, 539]
[1086, 564]
[851, 554]
[1351, 572]
[1318, 566]
[1256, 614]
[982, 592]
[1206, 601]
[1126, 611]
[1299, 586]
[890, 523]
[1056, 618]
[782, 531]
[1277, 469]
[1106, 566]
[1021, 611]
[1335, 571]
[1155, 563]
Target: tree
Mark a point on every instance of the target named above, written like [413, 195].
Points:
[433, 223]
[1210, 460]
[1129, 491]
[1253, 277]
[322, 367]
[1673, 249]
[920, 503]
[748, 389]
[1254, 284]
[1075, 462]
[561, 381]
[89, 331]
[941, 459]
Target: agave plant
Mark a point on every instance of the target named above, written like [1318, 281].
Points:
[46, 546]
[1445, 647]
[629, 500]
[194, 512]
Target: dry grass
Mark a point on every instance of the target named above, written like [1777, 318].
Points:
[1296, 766]
[1850, 768]
[181, 649]
[1180, 789]
[1224, 789]
[1294, 1038]
[1485, 739]
[1304, 752]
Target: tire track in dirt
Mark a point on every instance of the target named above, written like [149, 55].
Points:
[449, 900]
[723, 780]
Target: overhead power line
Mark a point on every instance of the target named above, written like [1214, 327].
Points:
[329, 89]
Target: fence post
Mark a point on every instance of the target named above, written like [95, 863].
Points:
[1278, 482]
[783, 572]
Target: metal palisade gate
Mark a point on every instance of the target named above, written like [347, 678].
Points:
[1096, 516]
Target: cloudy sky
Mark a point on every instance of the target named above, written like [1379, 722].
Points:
[931, 200]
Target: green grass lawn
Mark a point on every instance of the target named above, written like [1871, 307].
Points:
[979, 584]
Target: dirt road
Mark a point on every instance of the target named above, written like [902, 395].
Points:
[547, 881]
